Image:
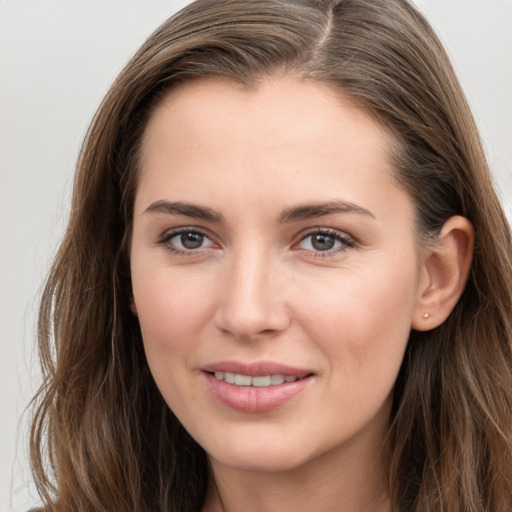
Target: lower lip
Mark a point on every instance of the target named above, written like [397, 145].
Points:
[254, 399]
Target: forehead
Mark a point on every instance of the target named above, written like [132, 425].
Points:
[285, 134]
[286, 105]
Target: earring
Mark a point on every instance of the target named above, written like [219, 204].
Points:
[426, 315]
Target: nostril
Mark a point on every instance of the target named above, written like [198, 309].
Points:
[251, 305]
[246, 326]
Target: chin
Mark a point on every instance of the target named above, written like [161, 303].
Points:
[260, 462]
[261, 454]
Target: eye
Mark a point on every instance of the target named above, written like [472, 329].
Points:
[325, 241]
[185, 240]
[189, 240]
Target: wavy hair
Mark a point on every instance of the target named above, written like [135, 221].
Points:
[103, 438]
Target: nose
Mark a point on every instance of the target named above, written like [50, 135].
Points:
[253, 301]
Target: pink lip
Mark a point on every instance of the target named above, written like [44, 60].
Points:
[255, 399]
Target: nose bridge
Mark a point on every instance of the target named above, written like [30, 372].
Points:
[252, 301]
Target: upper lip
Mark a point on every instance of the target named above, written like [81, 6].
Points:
[256, 369]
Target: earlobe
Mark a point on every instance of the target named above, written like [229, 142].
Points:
[446, 269]
[133, 306]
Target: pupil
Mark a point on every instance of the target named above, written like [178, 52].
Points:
[323, 242]
[192, 240]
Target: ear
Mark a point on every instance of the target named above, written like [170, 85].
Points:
[445, 271]
[133, 306]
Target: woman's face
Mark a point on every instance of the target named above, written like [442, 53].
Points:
[272, 247]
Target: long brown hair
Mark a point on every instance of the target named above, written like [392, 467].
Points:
[102, 437]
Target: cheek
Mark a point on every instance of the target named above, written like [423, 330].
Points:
[361, 320]
[172, 310]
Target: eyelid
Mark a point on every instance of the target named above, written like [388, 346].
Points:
[346, 240]
[165, 238]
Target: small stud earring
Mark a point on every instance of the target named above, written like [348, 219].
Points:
[426, 315]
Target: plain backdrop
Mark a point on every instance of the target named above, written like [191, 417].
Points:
[57, 59]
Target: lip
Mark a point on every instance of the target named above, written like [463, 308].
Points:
[256, 369]
[255, 399]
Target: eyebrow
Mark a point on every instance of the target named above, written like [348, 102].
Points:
[186, 209]
[311, 211]
[296, 213]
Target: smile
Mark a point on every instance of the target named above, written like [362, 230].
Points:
[256, 387]
[260, 381]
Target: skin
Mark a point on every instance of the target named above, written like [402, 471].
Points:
[257, 289]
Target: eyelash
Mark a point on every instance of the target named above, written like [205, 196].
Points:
[345, 241]
[168, 236]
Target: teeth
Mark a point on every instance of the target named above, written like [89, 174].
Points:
[242, 380]
[276, 379]
[261, 381]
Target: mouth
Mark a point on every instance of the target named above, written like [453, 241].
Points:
[259, 381]
[253, 388]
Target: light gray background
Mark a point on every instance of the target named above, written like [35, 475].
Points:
[57, 59]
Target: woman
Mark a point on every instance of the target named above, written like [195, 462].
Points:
[286, 282]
